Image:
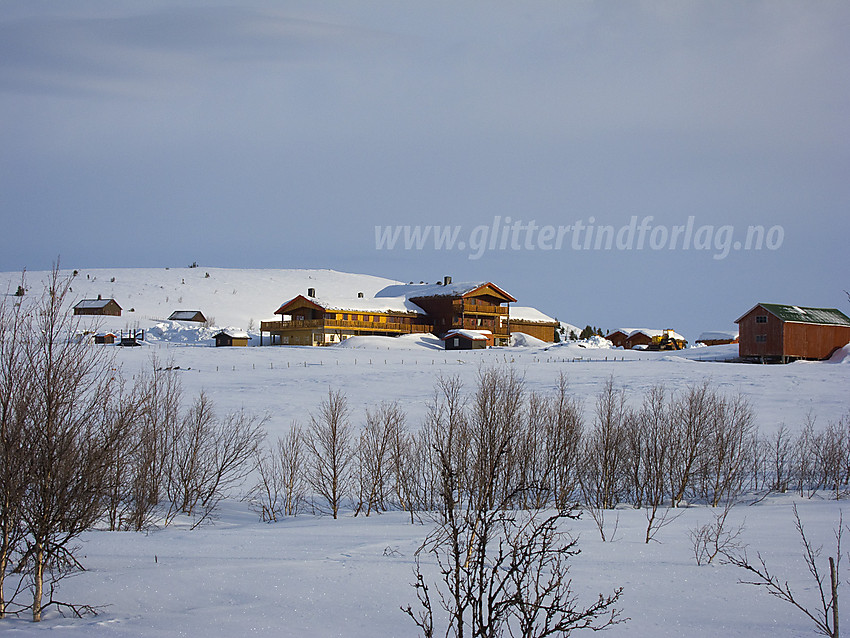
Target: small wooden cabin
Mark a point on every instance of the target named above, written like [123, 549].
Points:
[98, 307]
[188, 315]
[618, 337]
[227, 338]
[781, 333]
[106, 339]
[466, 339]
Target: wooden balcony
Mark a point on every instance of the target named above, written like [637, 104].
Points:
[378, 326]
[461, 306]
[280, 326]
[339, 324]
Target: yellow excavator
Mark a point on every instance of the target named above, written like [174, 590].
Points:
[667, 341]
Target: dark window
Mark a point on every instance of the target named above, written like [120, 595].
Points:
[761, 318]
[761, 338]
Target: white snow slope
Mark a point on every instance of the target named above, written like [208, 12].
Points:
[314, 576]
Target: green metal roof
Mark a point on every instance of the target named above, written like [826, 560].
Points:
[798, 314]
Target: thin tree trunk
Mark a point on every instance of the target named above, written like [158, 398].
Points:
[39, 583]
[833, 575]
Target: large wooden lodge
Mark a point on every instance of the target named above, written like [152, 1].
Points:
[400, 309]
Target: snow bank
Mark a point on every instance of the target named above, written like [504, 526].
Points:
[403, 342]
[196, 335]
[522, 340]
[595, 341]
[842, 355]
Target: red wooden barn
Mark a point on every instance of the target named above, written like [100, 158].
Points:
[775, 332]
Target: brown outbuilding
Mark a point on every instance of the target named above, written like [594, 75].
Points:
[781, 333]
[98, 307]
[188, 315]
[228, 338]
[466, 339]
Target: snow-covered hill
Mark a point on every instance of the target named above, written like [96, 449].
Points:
[236, 298]
[229, 298]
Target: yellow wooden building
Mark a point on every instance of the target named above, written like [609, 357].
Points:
[311, 321]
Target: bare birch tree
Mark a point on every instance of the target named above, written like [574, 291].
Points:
[14, 457]
[69, 452]
[604, 454]
[330, 451]
[690, 422]
[280, 488]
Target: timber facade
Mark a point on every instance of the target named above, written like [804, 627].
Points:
[311, 322]
[781, 333]
[98, 307]
[534, 323]
[482, 307]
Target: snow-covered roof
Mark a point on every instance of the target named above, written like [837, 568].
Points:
[527, 313]
[718, 335]
[799, 314]
[411, 291]
[649, 332]
[474, 335]
[625, 331]
[361, 304]
[94, 303]
[235, 334]
[184, 315]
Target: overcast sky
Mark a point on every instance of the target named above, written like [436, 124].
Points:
[280, 134]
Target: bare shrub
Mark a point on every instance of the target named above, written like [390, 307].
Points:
[374, 457]
[824, 612]
[604, 453]
[501, 570]
[726, 451]
[690, 420]
[564, 429]
[716, 539]
[209, 457]
[648, 433]
[280, 488]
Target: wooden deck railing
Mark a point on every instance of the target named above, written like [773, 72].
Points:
[376, 326]
[459, 305]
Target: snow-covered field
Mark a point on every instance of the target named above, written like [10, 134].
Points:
[314, 576]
